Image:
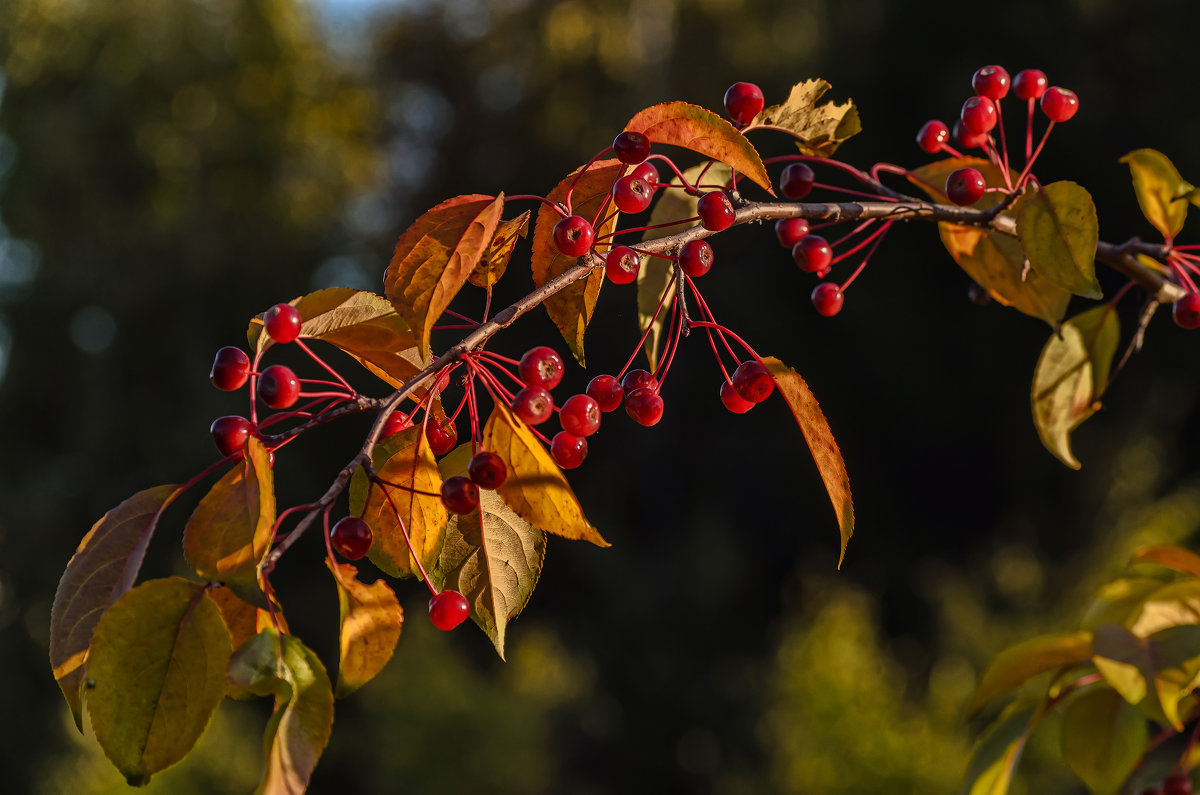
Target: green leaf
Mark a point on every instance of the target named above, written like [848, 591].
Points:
[818, 129]
[1071, 375]
[371, 620]
[1176, 558]
[1017, 664]
[299, 728]
[244, 621]
[1169, 605]
[495, 261]
[996, 754]
[157, 661]
[702, 131]
[1158, 187]
[1058, 229]
[104, 567]
[1116, 601]
[1103, 737]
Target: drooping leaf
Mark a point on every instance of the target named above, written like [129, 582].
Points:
[282, 666]
[821, 444]
[1153, 673]
[103, 568]
[361, 323]
[1071, 375]
[572, 308]
[1176, 558]
[819, 129]
[997, 752]
[495, 261]
[1103, 737]
[1158, 186]
[535, 487]
[1017, 664]
[371, 620]
[435, 256]
[157, 667]
[230, 532]
[700, 130]
[1058, 229]
[405, 460]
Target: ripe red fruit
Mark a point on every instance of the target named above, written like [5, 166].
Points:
[230, 433]
[827, 297]
[646, 172]
[580, 415]
[796, 180]
[460, 495]
[790, 230]
[979, 115]
[448, 609]
[231, 369]
[573, 236]
[351, 537]
[932, 136]
[568, 451]
[743, 101]
[1059, 104]
[1177, 784]
[487, 470]
[622, 265]
[282, 322]
[812, 254]
[397, 421]
[278, 387]
[715, 211]
[733, 401]
[644, 406]
[696, 257]
[1186, 311]
[1029, 84]
[991, 82]
[638, 379]
[442, 438]
[533, 405]
[606, 391]
[753, 382]
[967, 139]
[965, 186]
[541, 366]
[631, 147]
[632, 195]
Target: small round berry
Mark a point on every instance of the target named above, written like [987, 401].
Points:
[796, 180]
[351, 537]
[622, 265]
[632, 195]
[282, 322]
[967, 139]
[278, 387]
[442, 438]
[448, 609]
[715, 211]
[580, 415]
[1186, 311]
[646, 172]
[638, 379]
[1177, 784]
[631, 147]
[487, 470]
[644, 406]
[606, 391]
[541, 366]
[1029, 84]
[753, 382]
[231, 369]
[231, 433]
[743, 101]
[567, 450]
[965, 186]
[979, 115]
[533, 405]
[812, 254]
[991, 82]
[827, 297]
[733, 401]
[396, 421]
[696, 257]
[460, 495]
[573, 236]
[790, 230]
[932, 136]
[1059, 104]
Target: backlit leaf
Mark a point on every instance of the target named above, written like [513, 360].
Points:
[371, 620]
[819, 129]
[495, 260]
[1116, 601]
[103, 568]
[995, 756]
[244, 621]
[1103, 737]
[158, 667]
[1153, 673]
[572, 308]
[1176, 558]
[435, 256]
[1168, 605]
[535, 487]
[700, 130]
[1071, 374]
[1058, 229]
[821, 444]
[1017, 664]
[1157, 184]
[230, 532]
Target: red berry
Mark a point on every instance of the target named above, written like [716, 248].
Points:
[1186, 311]
[644, 406]
[567, 450]
[1177, 784]
[231, 369]
[622, 265]
[487, 470]
[646, 172]
[733, 401]
[967, 139]
[533, 405]
[606, 391]
[278, 387]
[638, 379]
[991, 82]
[230, 433]
[716, 211]
[1029, 84]
[796, 180]
[573, 236]
[541, 366]
[696, 257]
[282, 322]
[460, 495]
[827, 297]
[448, 609]
[965, 186]
[790, 230]
[1059, 104]
[397, 421]
[743, 101]
[753, 382]
[580, 415]
[442, 438]
[351, 537]
[812, 254]
[631, 147]
[979, 115]
[933, 136]
[632, 195]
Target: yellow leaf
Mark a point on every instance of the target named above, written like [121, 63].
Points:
[819, 129]
[371, 619]
[495, 261]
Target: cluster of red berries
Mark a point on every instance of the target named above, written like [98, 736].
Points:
[812, 253]
[750, 384]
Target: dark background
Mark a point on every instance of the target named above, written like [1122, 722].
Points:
[169, 170]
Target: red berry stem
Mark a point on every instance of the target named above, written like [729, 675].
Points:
[873, 237]
[846, 191]
[472, 408]
[579, 175]
[675, 332]
[1003, 143]
[558, 208]
[407, 540]
[645, 333]
[881, 190]
[735, 337]
[497, 357]
[337, 575]
[713, 322]
[716, 354]
[864, 225]
[687, 186]
[1029, 163]
[877, 238]
[596, 222]
[341, 381]
[647, 228]
[481, 363]
[1181, 270]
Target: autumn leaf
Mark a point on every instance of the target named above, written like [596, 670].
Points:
[998, 750]
[244, 621]
[818, 129]
[1161, 192]
[1103, 738]
[371, 619]
[1176, 558]
[1058, 230]
[495, 261]
[1017, 664]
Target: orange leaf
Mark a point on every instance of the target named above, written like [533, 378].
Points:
[1175, 558]
[495, 262]
[371, 619]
